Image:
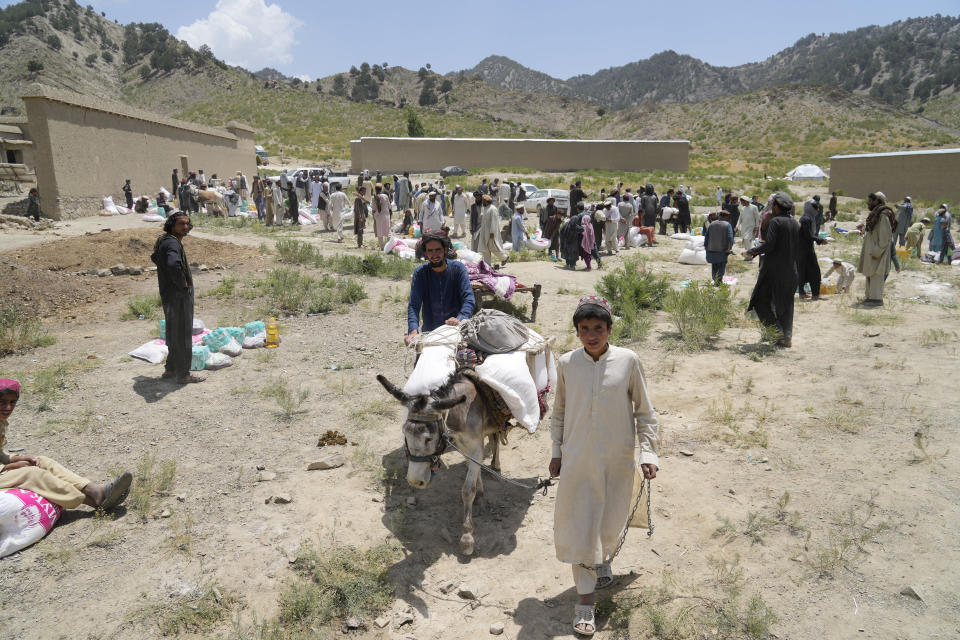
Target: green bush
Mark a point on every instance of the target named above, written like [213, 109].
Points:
[699, 312]
[148, 306]
[632, 286]
[290, 291]
[18, 333]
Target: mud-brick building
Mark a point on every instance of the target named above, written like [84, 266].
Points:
[433, 154]
[924, 175]
[84, 147]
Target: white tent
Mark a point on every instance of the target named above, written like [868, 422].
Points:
[807, 172]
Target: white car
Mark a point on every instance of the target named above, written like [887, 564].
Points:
[537, 201]
[529, 188]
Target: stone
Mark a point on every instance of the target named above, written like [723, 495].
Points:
[466, 592]
[412, 501]
[118, 270]
[103, 273]
[686, 452]
[92, 272]
[165, 513]
[496, 628]
[447, 586]
[181, 497]
[731, 492]
[404, 618]
[282, 498]
[354, 622]
[330, 461]
[266, 476]
[911, 592]
[381, 622]
[151, 269]
[203, 267]
[134, 271]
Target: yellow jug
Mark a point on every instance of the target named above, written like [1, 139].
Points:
[273, 334]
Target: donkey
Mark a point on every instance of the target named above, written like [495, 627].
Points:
[460, 408]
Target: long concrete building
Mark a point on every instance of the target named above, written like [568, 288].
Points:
[85, 147]
[925, 175]
[433, 154]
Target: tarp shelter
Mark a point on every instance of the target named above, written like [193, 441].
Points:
[807, 172]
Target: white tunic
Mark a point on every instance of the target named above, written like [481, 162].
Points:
[431, 216]
[600, 410]
[492, 249]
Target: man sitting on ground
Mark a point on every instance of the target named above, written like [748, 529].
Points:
[440, 291]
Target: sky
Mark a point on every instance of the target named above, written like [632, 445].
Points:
[564, 38]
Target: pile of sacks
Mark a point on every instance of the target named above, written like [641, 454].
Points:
[111, 209]
[212, 349]
[519, 376]
[694, 252]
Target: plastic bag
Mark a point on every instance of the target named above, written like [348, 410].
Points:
[232, 348]
[198, 326]
[200, 355]
[237, 333]
[25, 517]
[510, 376]
[255, 341]
[152, 217]
[153, 352]
[217, 339]
[108, 205]
[255, 327]
[218, 361]
[538, 245]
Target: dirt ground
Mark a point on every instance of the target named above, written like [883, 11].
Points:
[831, 421]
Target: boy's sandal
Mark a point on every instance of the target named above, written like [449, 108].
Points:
[116, 492]
[192, 378]
[583, 619]
[168, 374]
[604, 575]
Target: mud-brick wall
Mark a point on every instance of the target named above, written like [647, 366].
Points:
[84, 149]
[922, 175]
[432, 154]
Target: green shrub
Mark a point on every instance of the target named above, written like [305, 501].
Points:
[699, 312]
[632, 287]
[339, 582]
[18, 333]
[148, 306]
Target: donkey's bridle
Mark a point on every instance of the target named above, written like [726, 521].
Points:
[433, 458]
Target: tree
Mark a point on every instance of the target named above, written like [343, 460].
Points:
[107, 56]
[53, 41]
[144, 72]
[428, 65]
[34, 66]
[339, 85]
[446, 86]
[319, 86]
[427, 96]
[421, 73]
[414, 125]
[601, 111]
[90, 59]
[354, 71]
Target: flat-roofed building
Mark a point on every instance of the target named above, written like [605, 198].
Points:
[925, 175]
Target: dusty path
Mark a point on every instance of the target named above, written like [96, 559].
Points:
[837, 414]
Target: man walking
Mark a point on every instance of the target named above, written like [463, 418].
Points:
[440, 290]
[359, 215]
[430, 216]
[877, 232]
[904, 219]
[749, 222]
[258, 197]
[719, 196]
[476, 217]
[459, 202]
[491, 244]
[718, 243]
[175, 184]
[832, 207]
[808, 268]
[176, 295]
[338, 203]
[772, 297]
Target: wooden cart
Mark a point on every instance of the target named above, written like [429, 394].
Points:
[481, 291]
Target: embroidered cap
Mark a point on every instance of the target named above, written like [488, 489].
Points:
[601, 302]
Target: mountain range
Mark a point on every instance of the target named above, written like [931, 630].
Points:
[874, 89]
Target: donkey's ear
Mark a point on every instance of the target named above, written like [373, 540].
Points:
[392, 390]
[448, 403]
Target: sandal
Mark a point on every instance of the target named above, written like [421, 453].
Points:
[192, 378]
[584, 622]
[604, 575]
[116, 492]
[168, 374]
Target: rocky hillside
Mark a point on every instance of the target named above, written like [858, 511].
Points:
[907, 62]
[59, 43]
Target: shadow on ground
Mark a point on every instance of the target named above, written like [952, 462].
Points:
[432, 527]
[154, 389]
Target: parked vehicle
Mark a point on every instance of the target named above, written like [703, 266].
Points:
[537, 201]
[262, 158]
[453, 171]
[333, 177]
[529, 188]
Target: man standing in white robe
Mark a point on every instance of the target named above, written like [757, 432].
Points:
[749, 223]
[491, 244]
[338, 203]
[460, 206]
[600, 411]
[431, 215]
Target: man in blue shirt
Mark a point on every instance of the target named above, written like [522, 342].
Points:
[440, 291]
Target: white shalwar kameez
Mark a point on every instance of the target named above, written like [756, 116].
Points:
[460, 207]
[491, 245]
[600, 410]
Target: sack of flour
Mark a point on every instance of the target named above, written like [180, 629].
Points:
[25, 517]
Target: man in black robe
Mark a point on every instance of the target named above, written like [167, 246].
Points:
[732, 205]
[577, 195]
[808, 269]
[772, 296]
[476, 217]
[649, 206]
[176, 295]
[175, 182]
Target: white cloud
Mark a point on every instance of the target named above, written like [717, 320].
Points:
[304, 77]
[248, 33]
